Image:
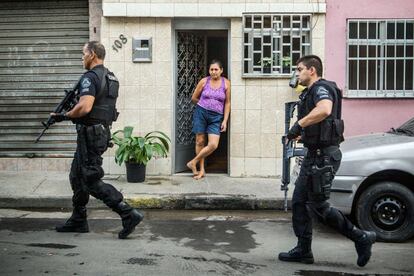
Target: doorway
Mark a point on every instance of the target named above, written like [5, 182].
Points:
[194, 51]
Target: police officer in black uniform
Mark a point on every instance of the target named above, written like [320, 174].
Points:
[93, 114]
[320, 128]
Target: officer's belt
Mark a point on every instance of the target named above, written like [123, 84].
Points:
[322, 150]
[92, 127]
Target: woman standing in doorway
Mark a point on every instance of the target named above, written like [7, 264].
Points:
[212, 96]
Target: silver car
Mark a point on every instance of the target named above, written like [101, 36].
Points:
[375, 182]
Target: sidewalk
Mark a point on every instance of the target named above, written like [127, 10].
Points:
[52, 190]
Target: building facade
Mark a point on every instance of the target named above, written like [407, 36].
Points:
[258, 43]
[160, 50]
[369, 53]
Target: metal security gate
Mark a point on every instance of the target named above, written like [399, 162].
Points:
[40, 56]
[191, 64]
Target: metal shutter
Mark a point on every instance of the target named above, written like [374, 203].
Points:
[40, 56]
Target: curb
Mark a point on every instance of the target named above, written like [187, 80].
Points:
[179, 202]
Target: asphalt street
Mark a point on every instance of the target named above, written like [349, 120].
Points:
[182, 243]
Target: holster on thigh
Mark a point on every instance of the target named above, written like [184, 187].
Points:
[321, 182]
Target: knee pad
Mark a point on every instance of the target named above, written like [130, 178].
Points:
[332, 217]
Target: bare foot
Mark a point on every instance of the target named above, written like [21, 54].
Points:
[200, 175]
[192, 167]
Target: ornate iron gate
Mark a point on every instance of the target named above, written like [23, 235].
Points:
[191, 68]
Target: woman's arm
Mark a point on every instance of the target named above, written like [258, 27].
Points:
[226, 106]
[197, 91]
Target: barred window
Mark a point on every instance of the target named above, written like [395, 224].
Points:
[272, 43]
[380, 58]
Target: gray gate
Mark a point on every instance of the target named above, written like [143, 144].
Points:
[40, 56]
[191, 64]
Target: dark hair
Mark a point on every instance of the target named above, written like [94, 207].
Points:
[216, 61]
[312, 61]
[97, 48]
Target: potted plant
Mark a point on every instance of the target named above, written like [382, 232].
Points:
[267, 64]
[286, 62]
[136, 151]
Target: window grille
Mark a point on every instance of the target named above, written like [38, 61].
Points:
[272, 43]
[380, 58]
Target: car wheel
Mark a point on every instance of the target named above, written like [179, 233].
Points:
[388, 209]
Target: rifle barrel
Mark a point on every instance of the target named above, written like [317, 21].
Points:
[41, 134]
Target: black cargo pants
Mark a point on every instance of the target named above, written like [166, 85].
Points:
[306, 203]
[86, 170]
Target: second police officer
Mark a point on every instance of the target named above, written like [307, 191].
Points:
[320, 128]
[93, 115]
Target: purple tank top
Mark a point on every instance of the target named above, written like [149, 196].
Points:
[213, 99]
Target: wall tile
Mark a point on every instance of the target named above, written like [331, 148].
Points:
[253, 97]
[209, 10]
[163, 166]
[269, 98]
[187, 10]
[116, 26]
[253, 121]
[147, 76]
[162, 10]
[163, 97]
[235, 73]
[237, 121]
[131, 94]
[237, 145]
[236, 51]
[131, 118]
[163, 73]
[253, 145]
[257, 7]
[252, 166]
[269, 144]
[269, 120]
[147, 118]
[232, 10]
[163, 121]
[134, 75]
[147, 97]
[237, 167]
[114, 168]
[268, 167]
[238, 97]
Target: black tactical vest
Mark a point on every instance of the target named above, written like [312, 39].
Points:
[104, 107]
[330, 131]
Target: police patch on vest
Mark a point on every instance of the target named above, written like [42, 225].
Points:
[322, 93]
[85, 84]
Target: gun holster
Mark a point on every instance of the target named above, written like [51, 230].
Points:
[321, 181]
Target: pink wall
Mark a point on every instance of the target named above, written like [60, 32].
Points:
[370, 115]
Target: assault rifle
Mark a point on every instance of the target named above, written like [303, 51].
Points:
[289, 150]
[66, 104]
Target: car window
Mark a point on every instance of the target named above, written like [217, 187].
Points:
[405, 129]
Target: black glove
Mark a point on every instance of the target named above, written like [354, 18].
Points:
[294, 131]
[59, 117]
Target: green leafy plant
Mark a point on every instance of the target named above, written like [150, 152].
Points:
[266, 61]
[139, 149]
[286, 61]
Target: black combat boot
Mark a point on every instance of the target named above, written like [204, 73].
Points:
[76, 223]
[363, 244]
[130, 218]
[302, 253]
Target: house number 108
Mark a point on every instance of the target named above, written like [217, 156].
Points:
[118, 43]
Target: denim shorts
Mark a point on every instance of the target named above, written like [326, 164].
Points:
[206, 121]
